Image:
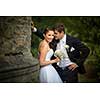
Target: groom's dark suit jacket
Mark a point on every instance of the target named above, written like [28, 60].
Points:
[77, 55]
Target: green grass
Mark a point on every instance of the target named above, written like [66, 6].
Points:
[84, 79]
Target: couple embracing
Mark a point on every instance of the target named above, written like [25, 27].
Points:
[61, 56]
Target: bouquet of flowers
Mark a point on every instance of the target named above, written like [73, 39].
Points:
[61, 53]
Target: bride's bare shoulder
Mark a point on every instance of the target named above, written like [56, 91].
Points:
[43, 44]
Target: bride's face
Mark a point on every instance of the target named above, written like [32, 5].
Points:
[49, 36]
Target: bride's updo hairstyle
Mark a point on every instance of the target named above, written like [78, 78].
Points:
[46, 30]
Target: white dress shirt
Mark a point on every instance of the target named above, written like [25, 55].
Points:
[66, 61]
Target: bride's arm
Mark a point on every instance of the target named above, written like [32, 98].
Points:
[43, 51]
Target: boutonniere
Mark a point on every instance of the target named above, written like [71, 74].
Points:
[66, 46]
[71, 48]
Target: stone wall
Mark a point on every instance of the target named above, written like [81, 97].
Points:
[16, 61]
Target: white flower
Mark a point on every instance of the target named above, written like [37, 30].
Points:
[66, 46]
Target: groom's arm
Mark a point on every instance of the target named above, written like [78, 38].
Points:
[37, 32]
[81, 51]
[78, 55]
[84, 51]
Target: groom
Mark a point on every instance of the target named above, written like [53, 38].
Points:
[77, 52]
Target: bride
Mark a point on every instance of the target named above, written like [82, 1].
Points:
[48, 74]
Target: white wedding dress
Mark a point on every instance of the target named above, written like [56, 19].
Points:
[48, 74]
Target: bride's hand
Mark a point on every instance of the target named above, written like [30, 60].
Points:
[57, 59]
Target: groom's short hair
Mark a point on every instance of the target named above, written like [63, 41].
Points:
[59, 27]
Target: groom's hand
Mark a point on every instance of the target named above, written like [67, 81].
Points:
[33, 28]
[72, 66]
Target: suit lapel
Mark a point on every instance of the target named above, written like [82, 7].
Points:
[68, 42]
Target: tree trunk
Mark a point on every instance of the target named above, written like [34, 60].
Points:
[16, 61]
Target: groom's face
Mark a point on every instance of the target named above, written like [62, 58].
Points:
[57, 35]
